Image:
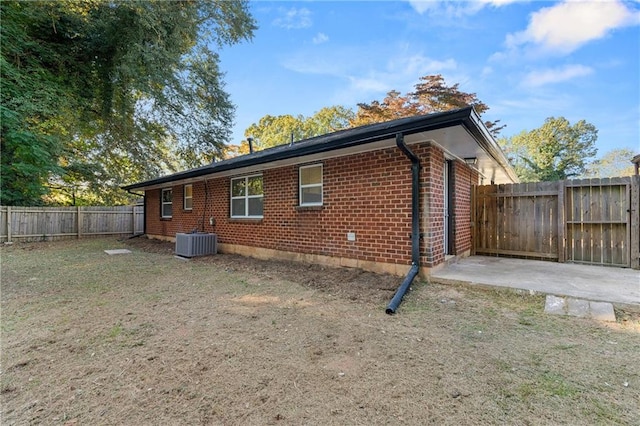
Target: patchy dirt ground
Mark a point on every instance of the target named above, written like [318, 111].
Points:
[348, 283]
[145, 338]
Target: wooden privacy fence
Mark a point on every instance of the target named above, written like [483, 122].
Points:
[52, 223]
[595, 221]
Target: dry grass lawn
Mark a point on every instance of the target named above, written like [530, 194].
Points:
[146, 339]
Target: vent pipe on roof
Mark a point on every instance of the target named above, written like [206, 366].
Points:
[250, 140]
[415, 226]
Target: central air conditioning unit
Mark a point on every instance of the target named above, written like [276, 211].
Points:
[198, 244]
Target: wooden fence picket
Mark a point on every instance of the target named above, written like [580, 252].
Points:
[54, 223]
[592, 221]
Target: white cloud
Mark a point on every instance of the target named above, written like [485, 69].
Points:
[321, 64]
[400, 74]
[365, 76]
[566, 26]
[418, 64]
[550, 76]
[320, 38]
[498, 3]
[455, 8]
[368, 84]
[543, 104]
[293, 19]
[422, 6]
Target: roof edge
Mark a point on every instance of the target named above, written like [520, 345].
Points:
[348, 138]
[489, 144]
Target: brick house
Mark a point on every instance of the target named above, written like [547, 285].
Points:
[381, 197]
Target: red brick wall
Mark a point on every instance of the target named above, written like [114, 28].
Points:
[368, 194]
[182, 220]
[432, 196]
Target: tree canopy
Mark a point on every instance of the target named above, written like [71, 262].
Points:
[271, 130]
[555, 151]
[99, 93]
[431, 94]
[614, 163]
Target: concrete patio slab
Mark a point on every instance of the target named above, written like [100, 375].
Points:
[594, 283]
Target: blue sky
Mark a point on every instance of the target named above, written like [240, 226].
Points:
[526, 60]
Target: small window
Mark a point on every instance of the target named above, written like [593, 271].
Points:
[167, 202]
[188, 197]
[311, 185]
[247, 197]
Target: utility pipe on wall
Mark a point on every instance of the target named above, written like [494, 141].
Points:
[415, 226]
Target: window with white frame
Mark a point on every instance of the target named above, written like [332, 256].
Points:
[188, 197]
[311, 185]
[247, 197]
[166, 202]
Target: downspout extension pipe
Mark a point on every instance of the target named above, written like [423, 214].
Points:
[415, 226]
[400, 292]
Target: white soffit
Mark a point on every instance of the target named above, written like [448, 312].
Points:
[459, 143]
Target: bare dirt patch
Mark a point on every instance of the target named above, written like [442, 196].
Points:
[348, 283]
[145, 338]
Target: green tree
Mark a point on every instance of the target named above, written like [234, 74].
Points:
[327, 120]
[614, 163]
[98, 93]
[431, 94]
[272, 131]
[557, 150]
[30, 101]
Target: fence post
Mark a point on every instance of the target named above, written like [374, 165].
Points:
[561, 223]
[133, 219]
[9, 224]
[634, 211]
[79, 222]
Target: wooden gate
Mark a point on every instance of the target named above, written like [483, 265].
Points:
[517, 220]
[593, 221]
[598, 229]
